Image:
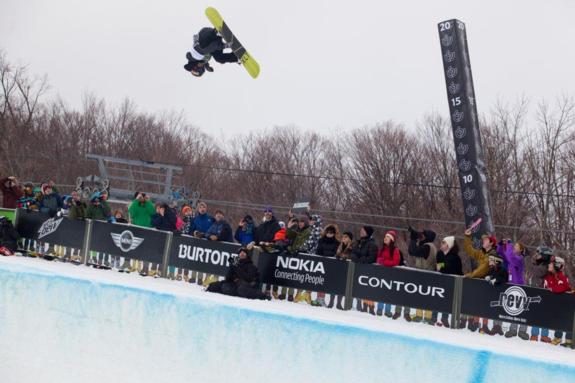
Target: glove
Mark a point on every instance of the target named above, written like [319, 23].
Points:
[492, 282]
[488, 278]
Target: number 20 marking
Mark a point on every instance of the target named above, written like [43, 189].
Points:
[444, 26]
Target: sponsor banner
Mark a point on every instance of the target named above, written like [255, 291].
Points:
[518, 304]
[201, 255]
[465, 125]
[8, 213]
[57, 230]
[404, 287]
[128, 241]
[301, 271]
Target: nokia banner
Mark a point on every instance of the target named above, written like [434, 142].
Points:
[56, 230]
[404, 287]
[303, 271]
[518, 304]
[201, 255]
[128, 241]
[465, 125]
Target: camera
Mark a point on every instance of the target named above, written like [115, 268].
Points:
[546, 253]
[233, 260]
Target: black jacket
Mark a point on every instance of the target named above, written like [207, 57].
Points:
[327, 247]
[451, 262]
[364, 251]
[419, 249]
[8, 235]
[167, 222]
[500, 275]
[266, 231]
[243, 272]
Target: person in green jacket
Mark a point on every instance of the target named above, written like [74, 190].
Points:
[141, 210]
[78, 209]
[96, 210]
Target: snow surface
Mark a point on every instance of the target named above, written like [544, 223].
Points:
[65, 323]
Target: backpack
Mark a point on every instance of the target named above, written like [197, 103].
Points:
[8, 234]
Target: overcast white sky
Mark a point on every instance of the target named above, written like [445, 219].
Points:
[324, 64]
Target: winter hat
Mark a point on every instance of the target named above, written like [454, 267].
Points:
[268, 209]
[282, 224]
[392, 234]
[368, 230]
[450, 241]
[349, 234]
[186, 209]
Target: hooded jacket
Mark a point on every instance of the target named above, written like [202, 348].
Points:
[11, 194]
[166, 222]
[422, 249]
[298, 238]
[327, 246]
[245, 236]
[480, 256]
[141, 214]
[514, 263]
[311, 243]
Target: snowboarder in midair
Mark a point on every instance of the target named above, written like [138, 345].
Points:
[207, 44]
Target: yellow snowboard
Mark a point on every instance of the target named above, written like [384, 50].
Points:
[243, 56]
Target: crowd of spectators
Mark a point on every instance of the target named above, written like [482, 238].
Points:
[497, 262]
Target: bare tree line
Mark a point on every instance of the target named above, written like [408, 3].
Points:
[384, 169]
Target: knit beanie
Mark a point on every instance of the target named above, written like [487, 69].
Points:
[450, 241]
[368, 231]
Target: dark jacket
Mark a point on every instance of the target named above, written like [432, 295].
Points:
[364, 251]
[166, 222]
[327, 247]
[243, 272]
[78, 210]
[8, 235]
[97, 212]
[11, 195]
[418, 249]
[266, 230]
[245, 236]
[498, 274]
[449, 263]
[50, 204]
[222, 230]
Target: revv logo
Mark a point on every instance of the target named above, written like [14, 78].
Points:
[514, 301]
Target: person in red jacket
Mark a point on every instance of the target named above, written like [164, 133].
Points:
[388, 256]
[558, 283]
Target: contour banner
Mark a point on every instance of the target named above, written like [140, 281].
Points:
[404, 287]
[465, 125]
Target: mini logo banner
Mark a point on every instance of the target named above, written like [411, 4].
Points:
[126, 241]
